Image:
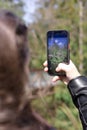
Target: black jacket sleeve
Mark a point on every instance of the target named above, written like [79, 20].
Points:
[78, 91]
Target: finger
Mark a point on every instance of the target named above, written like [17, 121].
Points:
[46, 69]
[61, 67]
[55, 78]
[45, 63]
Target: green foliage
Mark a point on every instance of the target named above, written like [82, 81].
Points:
[58, 109]
[62, 95]
[57, 53]
[55, 15]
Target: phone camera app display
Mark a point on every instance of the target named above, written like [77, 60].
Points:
[58, 44]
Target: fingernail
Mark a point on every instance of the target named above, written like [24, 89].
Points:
[56, 69]
[53, 80]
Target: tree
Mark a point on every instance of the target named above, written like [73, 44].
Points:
[60, 15]
[80, 3]
[50, 17]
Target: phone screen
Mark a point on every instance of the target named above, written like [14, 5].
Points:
[57, 50]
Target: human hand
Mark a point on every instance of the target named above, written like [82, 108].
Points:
[70, 70]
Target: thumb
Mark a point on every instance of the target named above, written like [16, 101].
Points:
[62, 67]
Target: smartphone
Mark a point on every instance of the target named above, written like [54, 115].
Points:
[57, 50]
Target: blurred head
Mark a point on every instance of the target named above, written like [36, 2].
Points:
[13, 64]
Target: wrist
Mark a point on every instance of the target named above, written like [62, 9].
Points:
[73, 76]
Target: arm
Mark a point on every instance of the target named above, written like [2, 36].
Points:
[77, 86]
[78, 91]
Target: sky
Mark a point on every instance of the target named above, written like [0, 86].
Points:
[61, 42]
[29, 8]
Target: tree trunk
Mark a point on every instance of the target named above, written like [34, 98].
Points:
[80, 2]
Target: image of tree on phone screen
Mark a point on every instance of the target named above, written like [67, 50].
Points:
[57, 49]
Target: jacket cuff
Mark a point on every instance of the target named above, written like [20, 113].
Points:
[78, 86]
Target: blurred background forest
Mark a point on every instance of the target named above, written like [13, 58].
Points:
[55, 103]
